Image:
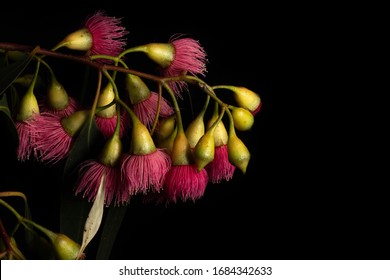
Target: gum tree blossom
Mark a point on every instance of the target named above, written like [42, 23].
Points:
[189, 57]
[100, 34]
[55, 134]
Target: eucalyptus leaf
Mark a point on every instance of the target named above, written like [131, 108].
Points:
[95, 216]
[87, 143]
[112, 224]
[6, 118]
[10, 72]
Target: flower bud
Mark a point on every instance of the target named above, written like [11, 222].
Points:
[204, 149]
[80, 40]
[73, 123]
[195, 130]
[138, 90]
[57, 97]
[142, 142]
[28, 106]
[220, 133]
[238, 153]
[161, 53]
[181, 150]
[105, 98]
[165, 128]
[112, 151]
[167, 143]
[243, 119]
[66, 248]
[247, 99]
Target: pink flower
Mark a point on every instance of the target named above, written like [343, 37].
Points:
[142, 173]
[107, 34]
[220, 168]
[27, 138]
[52, 141]
[147, 109]
[189, 57]
[90, 176]
[70, 109]
[185, 182]
[107, 125]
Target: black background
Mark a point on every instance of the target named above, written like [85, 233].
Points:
[305, 194]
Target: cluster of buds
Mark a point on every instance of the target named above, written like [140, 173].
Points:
[148, 146]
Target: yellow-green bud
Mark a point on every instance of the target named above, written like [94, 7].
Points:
[138, 90]
[112, 151]
[181, 150]
[73, 123]
[167, 143]
[246, 98]
[165, 128]
[220, 133]
[243, 119]
[238, 153]
[57, 97]
[161, 53]
[105, 98]
[66, 248]
[195, 130]
[80, 40]
[142, 142]
[28, 106]
[205, 149]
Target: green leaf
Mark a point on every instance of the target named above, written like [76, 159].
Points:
[11, 72]
[94, 218]
[6, 118]
[111, 228]
[87, 143]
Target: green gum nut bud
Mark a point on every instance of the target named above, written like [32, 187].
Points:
[105, 98]
[161, 53]
[138, 90]
[57, 97]
[238, 153]
[142, 142]
[80, 40]
[167, 143]
[220, 133]
[243, 119]
[112, 151]
[246, 98]
[181, 150]
[73, 123]
[204, 149]
[28, 106]
[66, 248]
[165, 128]
[195, 130]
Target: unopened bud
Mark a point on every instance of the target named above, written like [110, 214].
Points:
[204, 149]
[161, 53]
[57, 97]
[238, 153]
[112, 151]
[106, 97]
[73, 123]
[80, 40]
[243, 119]
[28, 106]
